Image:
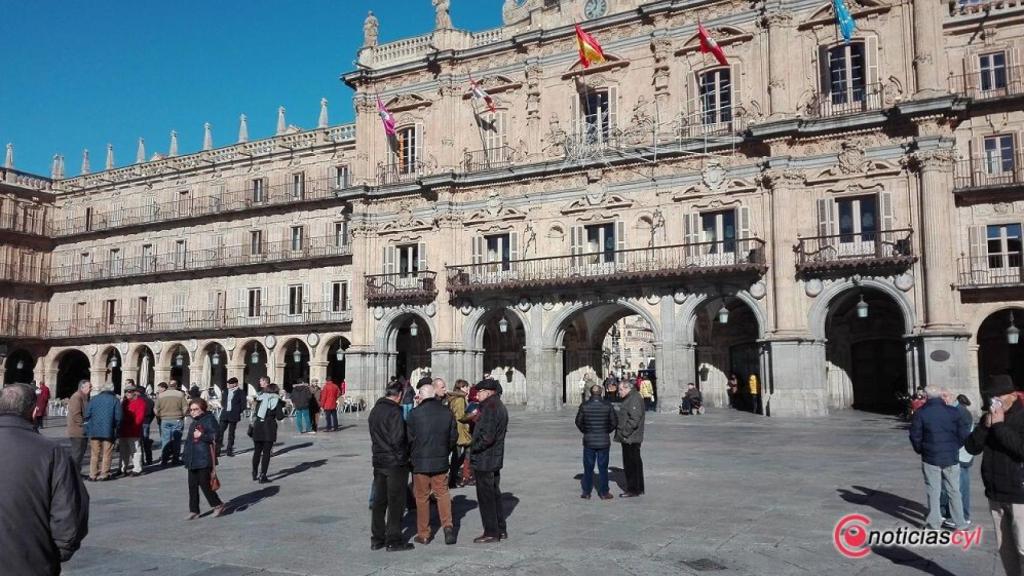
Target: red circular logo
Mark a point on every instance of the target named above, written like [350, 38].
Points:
[850, 536]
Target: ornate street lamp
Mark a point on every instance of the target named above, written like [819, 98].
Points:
[179, 360]
[1012, 333]
[112, 363]
[297, 355]
[215, 359]
[862, 308]
[413, 328]
[340, 354]
[723, 314]
[503, 325]
[254, 358]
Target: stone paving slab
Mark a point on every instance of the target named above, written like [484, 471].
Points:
[751, 495]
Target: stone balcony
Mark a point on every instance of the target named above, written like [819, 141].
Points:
[212, 261]
[395, 289]
[998, 83]
[995, 272]
[994, 179]
[23, 223]
[11, 273]
[867, 98]
[863, 253]
[662, 264]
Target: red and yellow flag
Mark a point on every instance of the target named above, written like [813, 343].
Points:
[590, 50]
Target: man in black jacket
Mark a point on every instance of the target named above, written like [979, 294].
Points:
[390, 470]
[43, 504]
[596, 419]
[1000, 437]
[433, 435]
[230, 415]
[487, 454]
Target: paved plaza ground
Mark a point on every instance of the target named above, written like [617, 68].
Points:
[727, 493]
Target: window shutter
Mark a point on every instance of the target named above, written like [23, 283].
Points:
[736, 85]
[418, 150]
[478, 250]
[885, 209]
[743, 216]
[691, 111]
[691, 233]
[575, 109]
[422, 252]
[871, 61]
[305, 295]
[513, 245]
[613, 108]
[823, 75]
[978, 236]
[620, 241]
[576, 240]
[389, 259]
[826, 216]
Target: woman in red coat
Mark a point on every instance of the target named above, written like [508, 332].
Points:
[329, 402]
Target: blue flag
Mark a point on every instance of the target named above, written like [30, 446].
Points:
[844, 20]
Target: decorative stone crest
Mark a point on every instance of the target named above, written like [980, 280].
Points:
[851, 158]
[270, 341]
[713, 176]
[813, 287]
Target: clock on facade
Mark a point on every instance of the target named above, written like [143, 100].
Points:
[595, 8]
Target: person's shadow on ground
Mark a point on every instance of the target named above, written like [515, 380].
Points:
[246, 501]
[292, 447]
[896, 506]
[299, 468]
[904, 557]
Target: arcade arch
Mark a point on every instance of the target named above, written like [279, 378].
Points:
[18, 367]
[996, 353]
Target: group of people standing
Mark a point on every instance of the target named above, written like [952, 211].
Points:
[597, 419]
[430, 437]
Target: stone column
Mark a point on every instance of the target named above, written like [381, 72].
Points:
[938, 263]
[318, 370]
[930, 65]
[780, 38]
[787, 192]
[236, 371]
[161, 374]
[795, 383]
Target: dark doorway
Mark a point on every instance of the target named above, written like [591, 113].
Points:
[879, 374]
[72, 368]
[995, 354]
[18, 368]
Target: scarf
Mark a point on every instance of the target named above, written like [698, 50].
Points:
[267, 401]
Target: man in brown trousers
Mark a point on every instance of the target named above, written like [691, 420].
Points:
[76, 422]
[432, 436]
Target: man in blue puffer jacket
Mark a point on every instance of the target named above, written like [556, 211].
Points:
[937, 432]
[102, 421]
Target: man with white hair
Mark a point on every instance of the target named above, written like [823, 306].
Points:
[937, 432]
[102, 423]
[630, 434]
[432, 437]
[77, 405]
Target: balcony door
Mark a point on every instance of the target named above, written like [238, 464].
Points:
[715, 238]
[715, 96]
[596, 114]
[403, 264]
[597, 247]
[846, 73]
[494, 254]
[407, 150]
[992, 74]
[855, 226]
[999, 158]
[1004, 253]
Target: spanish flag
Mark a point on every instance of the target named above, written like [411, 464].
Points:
[590, 50]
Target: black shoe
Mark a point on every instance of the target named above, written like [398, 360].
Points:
[585, 496]
[628, 495]
[402, 547]
[449, 536]
[376, 545]
[254, 477]
[485, 539]
[264, 480]
[230, 453]
[503, 535]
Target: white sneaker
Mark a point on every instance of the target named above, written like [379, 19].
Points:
[948, 524]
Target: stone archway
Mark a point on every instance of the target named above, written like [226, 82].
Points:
[726, 335]
[179, 362]
[72, 367]
[253, 357]
[18, 367]
[213, 359]
[996, 355]
[145, 366]
[407, 337]
[293, 356]
[334, 349]
[111, 360]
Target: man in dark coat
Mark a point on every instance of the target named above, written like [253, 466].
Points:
[432, 436]
[937, 432]
[301, 397]
[487, 455]
[596, 419]
[630, 433]
[44, 506]
[390, 449]
[999, 437]
[230, 415]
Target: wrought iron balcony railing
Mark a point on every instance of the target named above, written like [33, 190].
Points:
[487, 159]
[11, 328]
[868, 251]
[189, 207]
[995, 271]
[981, 7]
[200, 321]
[236, 256]
[398, 173]
[383, 289]
[680, 261]
[21, 223]
[828, 104]
[19, 274]
[988, 84]
[991, 172]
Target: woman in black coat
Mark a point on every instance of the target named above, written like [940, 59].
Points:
[199, 457]
[268, 410]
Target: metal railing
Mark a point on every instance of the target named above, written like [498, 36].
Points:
[417, 286]
[189, 207]
[970, 7]
[982, 172]
[841, 250]
[989, 84]
[200, 321]
[19, 222]
[991, 271]
[10, 272]
[703, 258]
[828, 104]
[487, 159]
[397, 173]
[234, 256]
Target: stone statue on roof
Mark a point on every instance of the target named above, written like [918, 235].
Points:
[442, 17]
[371, 27]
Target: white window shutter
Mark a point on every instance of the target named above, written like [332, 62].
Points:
[824, 79]
[418, 150]
[575, 111]
[620, 241]
[513, 243]
[422, 254]
[871, 61]
[691, 111]
[885, 209]
[691, 233]
[978, 236]
[613, 108]
[478, 250]
[736, 88]
[826, 217]
[743, 217]
[576, 240]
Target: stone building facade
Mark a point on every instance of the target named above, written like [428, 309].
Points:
[841, 219]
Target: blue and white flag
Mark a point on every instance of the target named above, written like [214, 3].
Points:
[844, 20]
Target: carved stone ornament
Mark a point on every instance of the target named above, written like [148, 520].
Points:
[270, 341]
[313, 339]
[813, 287]
[549, 306]
[157, 346]
[905, 281]
[1002, 207]
[851, 158]
[713, 176]
[679, 297]
[378, 313]
[758, 290]
[230, 344]
[523, 305]
[192, 345]
[93, 349]
[123, 349]
[430, 310]
[466, 308]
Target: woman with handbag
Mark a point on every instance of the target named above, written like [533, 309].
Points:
[200, 459]
[263, 430]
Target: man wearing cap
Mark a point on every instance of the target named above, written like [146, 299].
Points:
[999, 437]
[937, 432]
[230, 415]
[487, 455]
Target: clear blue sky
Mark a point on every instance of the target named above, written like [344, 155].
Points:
[78, 74]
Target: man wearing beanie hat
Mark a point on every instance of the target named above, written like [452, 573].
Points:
[999, 437]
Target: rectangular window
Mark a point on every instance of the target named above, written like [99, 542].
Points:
[999, 156]
[596, 108]
[993, 71]
[84, 262]
[297, 237]
[1004, 246]
[179, 254]
[110, 312]
[858, 219]
[88, 219]
[341, 179]
[256, 242]
[255, 302]
[408, 259]
[148, 263]
[405, 150]
[339, 296]
[846, 73]
[718, 229]
[298, 186]
[81, 311]
[340, 234]
[600, 240]
[259, 192]
[184, 203]
[295, 299]
[716, 96]
[115, 262]
[143, 306]
[499, 251]
[495, 129]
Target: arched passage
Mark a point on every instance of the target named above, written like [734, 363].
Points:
[295, 355]
[145, 364]
[725, 333]
[408, 338]
[72, 367]
[503, 339]
[181, 366]
[18, 367]
[254, 358]
[111, 358]
[996, 354]
[866, 354]
[336, 359]
[215, 365]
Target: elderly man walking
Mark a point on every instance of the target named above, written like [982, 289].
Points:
[77, 405]
[171, 406]
[102, 423]
[596, 419]
[233, 404]
[487, 455]
[630, 434]
[390, 451]
[43, 505]
[937, 432]
[432, 437]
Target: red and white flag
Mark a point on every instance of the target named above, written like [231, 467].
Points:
[386, 118]
[480, 94]
[708, 44]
